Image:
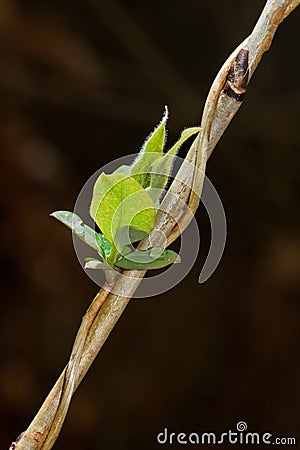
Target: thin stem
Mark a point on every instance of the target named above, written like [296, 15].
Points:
[107, 307]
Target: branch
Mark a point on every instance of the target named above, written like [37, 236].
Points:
[223, 101]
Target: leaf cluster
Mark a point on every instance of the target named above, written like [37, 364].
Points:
[124, 207]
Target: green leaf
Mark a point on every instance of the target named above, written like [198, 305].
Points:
[103, 244]
[162, 167]
[128, 235]
[123, 169]
[120, 201]
[155, 252]
[150, 151]
[83, 231]
[154, 258]
[94, 263]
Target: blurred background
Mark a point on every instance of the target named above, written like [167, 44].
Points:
[82, 83]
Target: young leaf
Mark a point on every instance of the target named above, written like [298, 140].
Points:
[120, 201]
[83, 231]
[147, 260]
[103, 244]
[123, 169]
[162, 167]
[128, 235]
[94, 263]
[155, 252]
[150, 151]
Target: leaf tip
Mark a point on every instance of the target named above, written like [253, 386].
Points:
[166, 113]
[177, 260]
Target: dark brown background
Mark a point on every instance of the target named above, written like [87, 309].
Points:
[83, 83]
